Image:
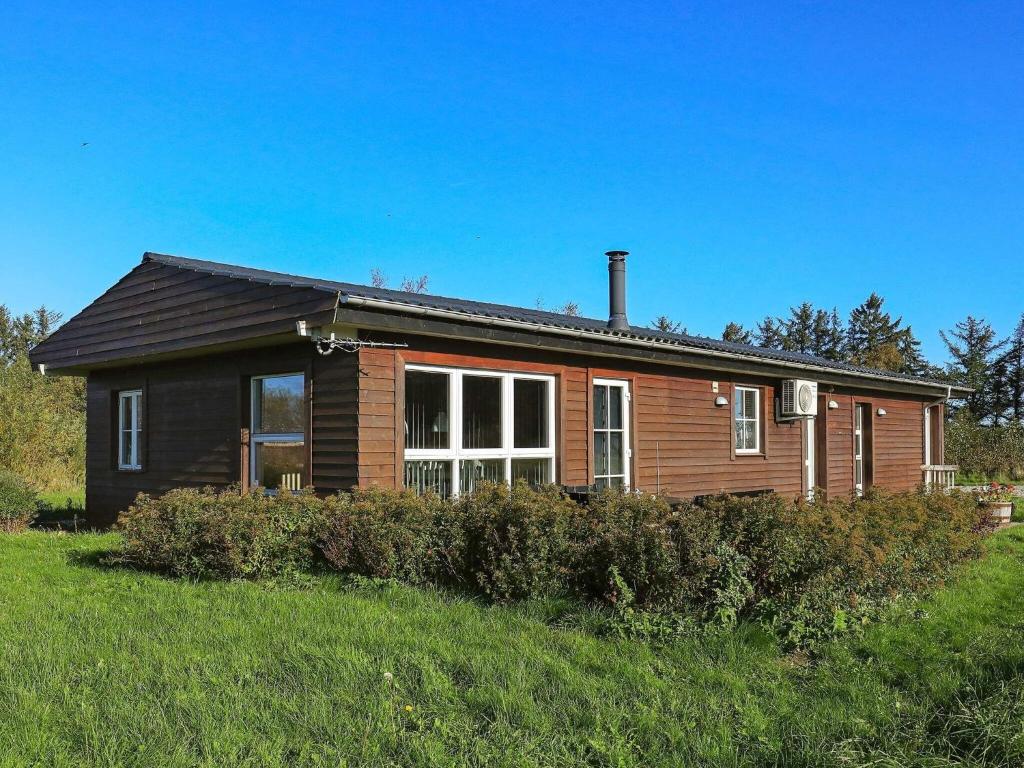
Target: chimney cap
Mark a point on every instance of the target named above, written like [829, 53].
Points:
[614, 254]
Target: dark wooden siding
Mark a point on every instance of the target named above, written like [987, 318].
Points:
[682, 442]
[194, 412]
[159, 308]
[380, 417]
[840, 445]
[335, 421]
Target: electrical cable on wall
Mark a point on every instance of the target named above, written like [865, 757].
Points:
[326, 346]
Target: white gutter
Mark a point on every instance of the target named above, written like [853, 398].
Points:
[579, 333]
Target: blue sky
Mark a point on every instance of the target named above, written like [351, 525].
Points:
[750, 156]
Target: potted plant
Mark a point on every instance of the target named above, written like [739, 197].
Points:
[999, 500]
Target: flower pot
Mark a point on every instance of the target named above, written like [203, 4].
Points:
[1000, 511]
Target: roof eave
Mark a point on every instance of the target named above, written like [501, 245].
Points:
[634, 340]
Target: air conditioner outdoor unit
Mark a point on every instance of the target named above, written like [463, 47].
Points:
[799, 398]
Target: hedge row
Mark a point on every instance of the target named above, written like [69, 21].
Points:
[808, 569]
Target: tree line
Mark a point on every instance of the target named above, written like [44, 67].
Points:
[872, 337]
[42, 419]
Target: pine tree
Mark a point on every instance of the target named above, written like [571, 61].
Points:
[875, 340]
[913, 362]
[1012, 384]
[667, 325]
[829, 335]
[770, 334]
[972, 344]
[798, 330]
[737, 334]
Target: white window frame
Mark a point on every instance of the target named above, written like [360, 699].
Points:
[738, 391]
[132, 462]
[456, 453]
[858, 448]
[627, 458]
[270, 437]
[928, 435]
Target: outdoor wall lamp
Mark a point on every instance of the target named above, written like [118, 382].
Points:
[832, 405]
[881, 411]
[721, 400]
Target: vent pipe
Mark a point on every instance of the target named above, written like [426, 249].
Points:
[617, 290]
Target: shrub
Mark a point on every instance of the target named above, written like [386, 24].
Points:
[807, 569]
[518, 542]
[18, 503]
[632, 536]
[383, 533]
[204, 533]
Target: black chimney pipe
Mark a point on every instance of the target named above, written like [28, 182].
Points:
[617, 290]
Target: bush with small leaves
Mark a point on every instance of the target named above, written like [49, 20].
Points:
[519, 542]
[206, 533]
[18, 503]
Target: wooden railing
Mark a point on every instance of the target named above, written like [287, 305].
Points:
[940, 475]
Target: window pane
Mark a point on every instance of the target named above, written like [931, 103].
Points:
[615, 407]
[426, 410]
[530, 409]
[278, 406]
[434, 476]
[127, 415]
[750, 435]
[472, 471]
[533, 471]
[600, 453]
[481, 412]
[280, 465]
[738, 406]
[750, 404]
[615, 449]
[600, 407]
[739, 434]
[125, 456]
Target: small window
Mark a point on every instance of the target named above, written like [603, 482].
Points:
[747, 413]
[129, 429]
[278, 447]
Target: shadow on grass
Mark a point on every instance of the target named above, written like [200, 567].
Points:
[106, 559]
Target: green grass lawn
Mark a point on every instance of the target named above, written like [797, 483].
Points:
[108, 667]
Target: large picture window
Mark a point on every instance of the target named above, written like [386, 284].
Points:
[129, 429]
[747, 420]
[463, 427]
[277, 446]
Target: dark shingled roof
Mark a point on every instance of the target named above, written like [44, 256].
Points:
[486, 310]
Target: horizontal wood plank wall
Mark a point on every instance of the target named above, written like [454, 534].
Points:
[335, 415]
[194, 413]
[899, 443]
[840, 445]
[157, 308]
[379, 451]
[678, 432]
[576, 457]
[688, 440]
